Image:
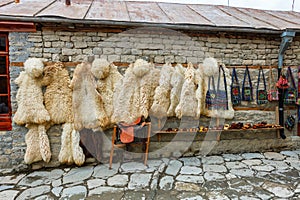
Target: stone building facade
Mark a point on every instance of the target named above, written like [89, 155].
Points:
[160, 45]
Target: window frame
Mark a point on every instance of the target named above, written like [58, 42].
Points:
[5, 118]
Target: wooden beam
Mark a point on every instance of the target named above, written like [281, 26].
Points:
[10, 26]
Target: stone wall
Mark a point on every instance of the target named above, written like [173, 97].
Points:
[160, 46]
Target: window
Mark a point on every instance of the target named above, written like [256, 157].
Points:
[5, 106]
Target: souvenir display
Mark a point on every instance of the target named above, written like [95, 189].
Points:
[235, 89]
[290, 94]
[247, 94]
[261, 94]
[272, 92]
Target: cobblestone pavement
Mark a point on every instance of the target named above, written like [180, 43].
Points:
[268, 175]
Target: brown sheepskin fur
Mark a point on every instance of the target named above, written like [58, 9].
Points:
[30, 96]
[136, 96]
[87, 102]
[58, 95]
[162, 93]
[107, 78]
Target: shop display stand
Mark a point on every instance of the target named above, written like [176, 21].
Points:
[219, 131]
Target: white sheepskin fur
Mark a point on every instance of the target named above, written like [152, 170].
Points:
[161, 102]
[77, 151]
[38, 145]
[70, 151]
[65, 155]
[137, 91]
[58, 95]
[87, 102]
[30, 96]
[32, 153]
[107, 78]
[44, 143]
[199, 91]
[177, 80]
[188, 101]
[210, 67]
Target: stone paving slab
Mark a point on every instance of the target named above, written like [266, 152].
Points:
[268, 175]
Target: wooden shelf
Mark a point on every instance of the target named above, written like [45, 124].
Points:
[218, 131]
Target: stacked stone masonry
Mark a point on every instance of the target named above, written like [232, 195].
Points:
[160, 46]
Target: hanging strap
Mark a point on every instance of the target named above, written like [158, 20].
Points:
[289, 74]
[224, 77]
[221, 70]
[234, 79]
[260, 71]
[212, 80]
[247, 75]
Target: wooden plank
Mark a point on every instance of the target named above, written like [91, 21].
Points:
[268, 18]
[180, 13]
[217, 16]
[146, 12]
[253, 22]
[5, 123]
[108, 10]
[17, 26]
[77, 9]
[4, 2]
[26, 8]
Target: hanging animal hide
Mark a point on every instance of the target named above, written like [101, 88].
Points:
[136, 96]
[176, 85]
[58, 95]
[108, 76]
[30, 96]
[70, 151]
[188, 101]
[199, 94]
[162, 93]
[87, 102]
[38, 145]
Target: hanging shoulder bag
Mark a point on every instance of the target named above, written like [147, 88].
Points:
[211, 94]
[235, 89]
[261, 94]
[222, 96]
[247, 94]
[290, 94]
[272, 92]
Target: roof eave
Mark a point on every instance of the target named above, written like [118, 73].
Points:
[111, 23]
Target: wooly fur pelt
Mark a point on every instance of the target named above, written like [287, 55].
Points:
[70, 151]
[58, 94]
[87, 103]
[136, 96]
[30, 96]
[177, 80]
[188, 101]
[210, 66]
[38, 145]
[107, 76]
[161, 102]
[199, 91]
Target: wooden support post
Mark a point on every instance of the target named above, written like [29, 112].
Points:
[148, 142]
[277, 120]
